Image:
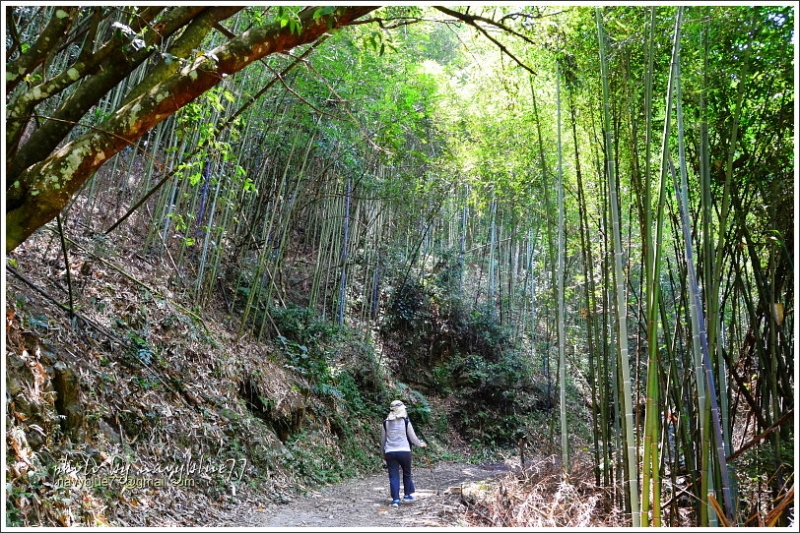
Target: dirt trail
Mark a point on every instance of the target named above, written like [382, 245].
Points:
[365, 502]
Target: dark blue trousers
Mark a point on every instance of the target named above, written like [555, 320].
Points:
[395, 461]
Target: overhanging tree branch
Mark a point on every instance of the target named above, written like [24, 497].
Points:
[39, 191]
[473, 21]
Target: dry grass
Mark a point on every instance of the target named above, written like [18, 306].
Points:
[541, 495]
[174, 398]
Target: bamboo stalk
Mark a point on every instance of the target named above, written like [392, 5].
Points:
[562, 360]
[698, 319]
[621, 300]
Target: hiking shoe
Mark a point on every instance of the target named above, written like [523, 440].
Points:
[395, 503]
[409, 498]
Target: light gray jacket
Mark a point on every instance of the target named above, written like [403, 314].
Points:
[393, 437]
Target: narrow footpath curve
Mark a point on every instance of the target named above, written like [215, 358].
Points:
[365, 502]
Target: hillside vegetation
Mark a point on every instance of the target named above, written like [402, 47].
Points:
[136, 385]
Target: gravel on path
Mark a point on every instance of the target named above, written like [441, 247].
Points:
[366, 503]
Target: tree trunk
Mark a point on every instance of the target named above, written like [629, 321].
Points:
[37, 193]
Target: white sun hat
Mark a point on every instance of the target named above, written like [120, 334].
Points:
[397, 409]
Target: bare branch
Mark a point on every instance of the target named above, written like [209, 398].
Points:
[473, 20]
[286, 86]
[364, 132]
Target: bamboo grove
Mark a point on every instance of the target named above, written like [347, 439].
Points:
[613, 186]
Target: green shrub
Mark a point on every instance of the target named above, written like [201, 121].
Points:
[301, 325]
[409, 308]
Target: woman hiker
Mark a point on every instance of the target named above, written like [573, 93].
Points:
[397, 436]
